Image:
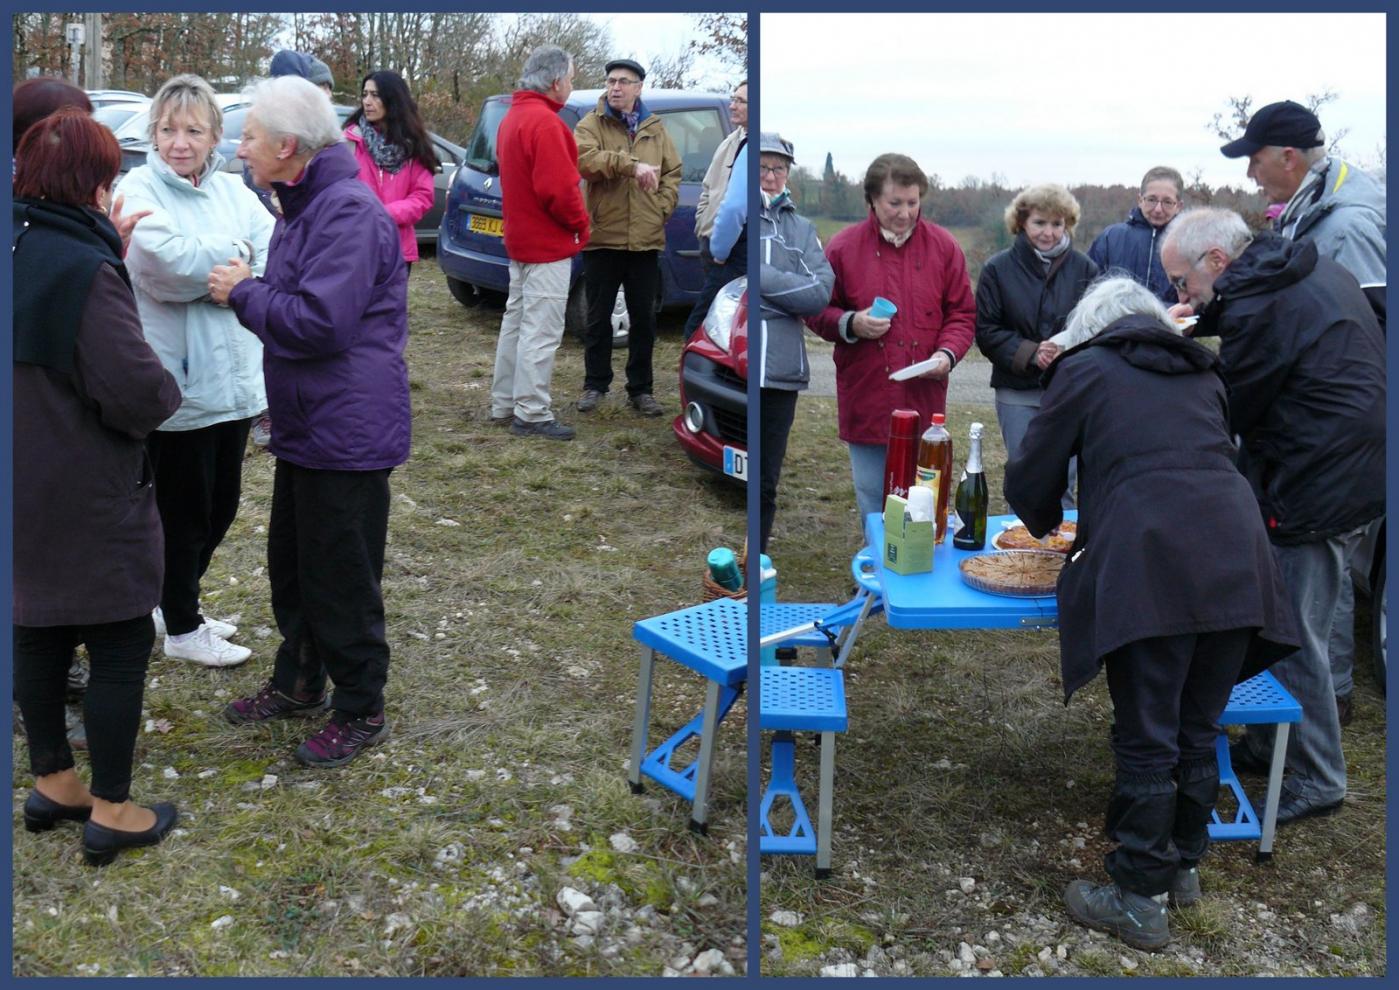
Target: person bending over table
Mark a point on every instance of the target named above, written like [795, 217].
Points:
[1170, 585]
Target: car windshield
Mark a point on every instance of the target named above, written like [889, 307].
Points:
[480, 147]
[114, 114]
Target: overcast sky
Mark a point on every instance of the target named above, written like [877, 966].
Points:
[646, 36]
[1094, 98]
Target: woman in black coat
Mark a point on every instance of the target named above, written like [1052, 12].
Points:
[87, 539]
[1171, 583]
[1023, 298]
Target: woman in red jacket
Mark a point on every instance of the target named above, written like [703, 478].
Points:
[919, 267]
[395, 156]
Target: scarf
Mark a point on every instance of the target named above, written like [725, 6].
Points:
[773, 202]
[1307, 194]
[389, 157]
[1047, 257]
[896, 239]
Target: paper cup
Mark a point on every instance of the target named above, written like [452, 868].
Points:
[882, 309]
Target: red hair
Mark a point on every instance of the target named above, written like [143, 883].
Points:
[66, 158]
[35, 99]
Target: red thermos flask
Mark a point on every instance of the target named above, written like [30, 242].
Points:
[901, 458]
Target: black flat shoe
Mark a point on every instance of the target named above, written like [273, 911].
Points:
[42, 814]
[101, 844]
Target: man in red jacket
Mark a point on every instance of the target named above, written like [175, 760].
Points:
[546, 224]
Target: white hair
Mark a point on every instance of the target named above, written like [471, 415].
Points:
[289, 106]
[545, 66]
[1196, 231]
[1108, 300]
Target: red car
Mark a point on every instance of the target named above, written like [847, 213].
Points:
[713, 423]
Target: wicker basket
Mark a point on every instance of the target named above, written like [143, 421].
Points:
[711, 590]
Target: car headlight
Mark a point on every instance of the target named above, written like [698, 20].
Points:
[718, 322]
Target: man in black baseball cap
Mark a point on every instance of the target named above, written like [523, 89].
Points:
[1284, 125]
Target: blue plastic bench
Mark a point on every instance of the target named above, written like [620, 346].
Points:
[1260, 700]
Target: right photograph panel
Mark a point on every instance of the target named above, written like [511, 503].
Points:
[1072, 453]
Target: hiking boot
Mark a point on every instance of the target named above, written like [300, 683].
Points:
[1136, 919]
[505, 420]
[646, 404]
[552, 429]
[77, 680]
[269, 703]
[1241, 758]
[1293, 808]
[1345, 709]
[341, 740]
[589, 400]
[224, 630]
[262, 430]
[206, 648]
[1185, 887]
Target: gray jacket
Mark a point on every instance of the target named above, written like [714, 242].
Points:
[796, 282]
[1342, 209]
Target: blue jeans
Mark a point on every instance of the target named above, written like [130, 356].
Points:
[1342, 643]
[867, 470]
[1014, 421]
[1316, 766]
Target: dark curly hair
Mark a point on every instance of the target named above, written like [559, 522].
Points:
[403, 125]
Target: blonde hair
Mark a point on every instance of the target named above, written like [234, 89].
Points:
[1050, 199]
[188, 94]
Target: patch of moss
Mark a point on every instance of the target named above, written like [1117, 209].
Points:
[799, 946]
[597, 865]
[242, 771]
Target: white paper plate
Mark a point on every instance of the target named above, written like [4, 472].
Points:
[913, 370]
[1186, 322]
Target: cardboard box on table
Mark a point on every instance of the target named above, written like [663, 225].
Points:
[908, 546]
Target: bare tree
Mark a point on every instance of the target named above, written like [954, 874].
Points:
[672, 71]
[724, 36]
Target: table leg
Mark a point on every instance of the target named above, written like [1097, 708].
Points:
[643, 718]
[1270, 807]
[853, 631]
[700, 811]
[824, 799]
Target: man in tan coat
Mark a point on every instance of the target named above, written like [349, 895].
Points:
[632, 170]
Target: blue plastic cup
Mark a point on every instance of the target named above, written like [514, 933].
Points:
[882, 309]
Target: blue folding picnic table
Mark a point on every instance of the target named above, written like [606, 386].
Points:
[940, 599]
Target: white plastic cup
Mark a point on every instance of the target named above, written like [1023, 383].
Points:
[920, 503]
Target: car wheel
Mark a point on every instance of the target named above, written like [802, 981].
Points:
[575, 315]
[463, 292]
[1379, 610]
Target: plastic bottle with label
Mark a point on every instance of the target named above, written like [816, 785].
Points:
[935, 469]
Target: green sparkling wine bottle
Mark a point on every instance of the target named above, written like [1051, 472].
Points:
[972, 499]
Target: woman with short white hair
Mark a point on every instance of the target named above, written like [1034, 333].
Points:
[200, 216]
[332, 314]
[1170, 585]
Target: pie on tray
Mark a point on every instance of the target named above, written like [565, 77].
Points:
[1017, 537]
[1019, 573]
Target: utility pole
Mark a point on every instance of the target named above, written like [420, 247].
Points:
[73, 32]
[92, 61]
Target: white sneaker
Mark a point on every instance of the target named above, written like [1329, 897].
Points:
[224, 630]
[206, 649]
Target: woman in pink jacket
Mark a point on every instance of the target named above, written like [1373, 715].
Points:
[395, 156]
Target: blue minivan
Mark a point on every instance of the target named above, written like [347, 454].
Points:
[470, 245]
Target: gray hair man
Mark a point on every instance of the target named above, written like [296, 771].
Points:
[1303, 355]
[1342, 209]
[633, 173]
[546, 225]
[712, 188]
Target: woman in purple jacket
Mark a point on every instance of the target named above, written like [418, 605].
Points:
[332, 314]
[88, 561]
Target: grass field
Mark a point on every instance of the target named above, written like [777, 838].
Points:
[967, 795]
[515, 569]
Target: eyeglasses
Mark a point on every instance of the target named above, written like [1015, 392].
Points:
[1153, 202]
[1178, 281]
[620, 81]
[773, 169]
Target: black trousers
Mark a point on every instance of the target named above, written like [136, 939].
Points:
[779, 408]
[119, 653]
[716, 277]
[638, 275]
[198, 479]
[1167, 695]
[325, 563]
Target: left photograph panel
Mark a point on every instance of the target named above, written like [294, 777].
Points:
[379, 483]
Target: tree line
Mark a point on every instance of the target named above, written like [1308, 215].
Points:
[451, 61]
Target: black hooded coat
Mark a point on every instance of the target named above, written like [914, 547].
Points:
[1169, 541]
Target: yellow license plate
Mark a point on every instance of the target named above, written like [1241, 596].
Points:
[494, 226]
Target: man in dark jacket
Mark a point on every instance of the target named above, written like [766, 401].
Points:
[1133, 247]
[546, 224]
[332, 315]
[1304, 359]
[1174, 627]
